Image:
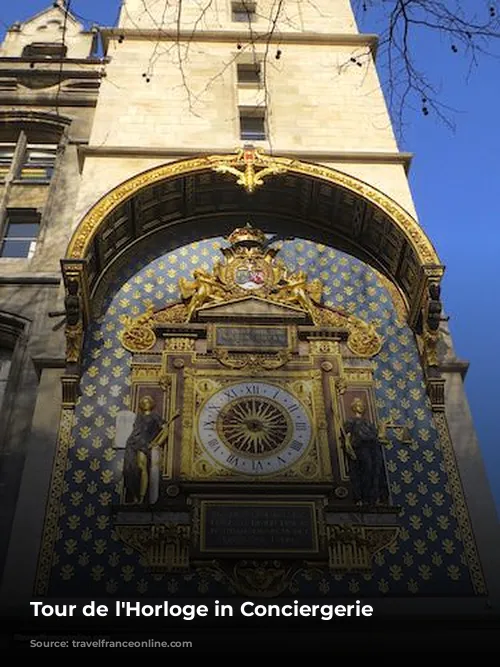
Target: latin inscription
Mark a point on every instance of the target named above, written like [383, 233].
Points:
[251, 337]
[259, 527]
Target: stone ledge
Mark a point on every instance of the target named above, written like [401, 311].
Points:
[176, 152]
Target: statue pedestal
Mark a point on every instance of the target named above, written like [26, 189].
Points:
[162, 538]
[354, 537]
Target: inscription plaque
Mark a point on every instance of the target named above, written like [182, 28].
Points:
[250, 338]
[258, 527]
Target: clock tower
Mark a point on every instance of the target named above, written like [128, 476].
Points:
[253, 389]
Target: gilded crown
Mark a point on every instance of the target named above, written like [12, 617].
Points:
[247, 235]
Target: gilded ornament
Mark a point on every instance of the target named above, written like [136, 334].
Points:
[175, 314]
[202, 468]
[262, 578]
[138, 339]
[330, 318]
[164, 547]
[324, 347]
[249, 267]
[252, 362]
[203, 289]
[165, 381]
[352, 548]
[74, 312]
[341, 385]
[138, 334]
[431, 340]
[74, 342]
[296, 289]
[249, 166]
[180, 344]
[363, 340]
[308, 469]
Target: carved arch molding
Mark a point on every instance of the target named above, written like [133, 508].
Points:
[184, 201]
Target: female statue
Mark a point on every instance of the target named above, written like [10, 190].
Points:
[364, 447]
[148, 431]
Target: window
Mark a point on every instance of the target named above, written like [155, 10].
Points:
[5, 364]
[21, 232]
[248, 73]
[6, 156]
[39, 161]
[44, 50]
[243, 12]
[252, 123]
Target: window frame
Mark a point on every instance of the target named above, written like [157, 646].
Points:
[243, 12]
[249, 67]
[38, 51]
[259, 113]
[17, 216]
[6, 163]
[46, 169]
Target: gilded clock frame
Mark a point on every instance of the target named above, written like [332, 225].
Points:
[196, 463]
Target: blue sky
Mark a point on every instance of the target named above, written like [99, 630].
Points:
[454, 177]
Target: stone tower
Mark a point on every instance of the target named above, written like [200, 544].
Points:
[260, 130]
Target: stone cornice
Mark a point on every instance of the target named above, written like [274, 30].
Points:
[455, 366]
[53, 63]
[176, 152]
[31, 279]
[258, 36]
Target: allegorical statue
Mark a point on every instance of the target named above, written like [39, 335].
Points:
[363, 446]
[295, 288]
[74, 322]
[149, 431]
[204, 288]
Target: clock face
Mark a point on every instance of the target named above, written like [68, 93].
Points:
[254, 428]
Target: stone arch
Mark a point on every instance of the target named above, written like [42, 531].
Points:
[190, 199]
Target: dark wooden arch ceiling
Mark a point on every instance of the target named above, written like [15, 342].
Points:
[206, 204]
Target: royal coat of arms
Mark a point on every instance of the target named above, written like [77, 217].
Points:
[250, 267]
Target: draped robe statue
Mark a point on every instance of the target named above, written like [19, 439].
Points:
[148, 431]
[364, 448]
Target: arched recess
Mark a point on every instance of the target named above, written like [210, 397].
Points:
[39, 126]
[191, 199]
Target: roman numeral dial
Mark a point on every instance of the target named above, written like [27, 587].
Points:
[254, 428]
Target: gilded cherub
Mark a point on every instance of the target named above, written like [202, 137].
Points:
[204, 288]
[297, 289]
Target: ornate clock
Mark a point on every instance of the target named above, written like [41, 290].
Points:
[263, 377]
[254, 428]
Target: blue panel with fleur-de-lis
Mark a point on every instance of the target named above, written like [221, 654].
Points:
[428, 559]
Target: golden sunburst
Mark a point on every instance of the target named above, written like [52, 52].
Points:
[254, 425]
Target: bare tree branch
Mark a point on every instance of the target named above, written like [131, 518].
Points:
[407, 28]
[469, 29]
